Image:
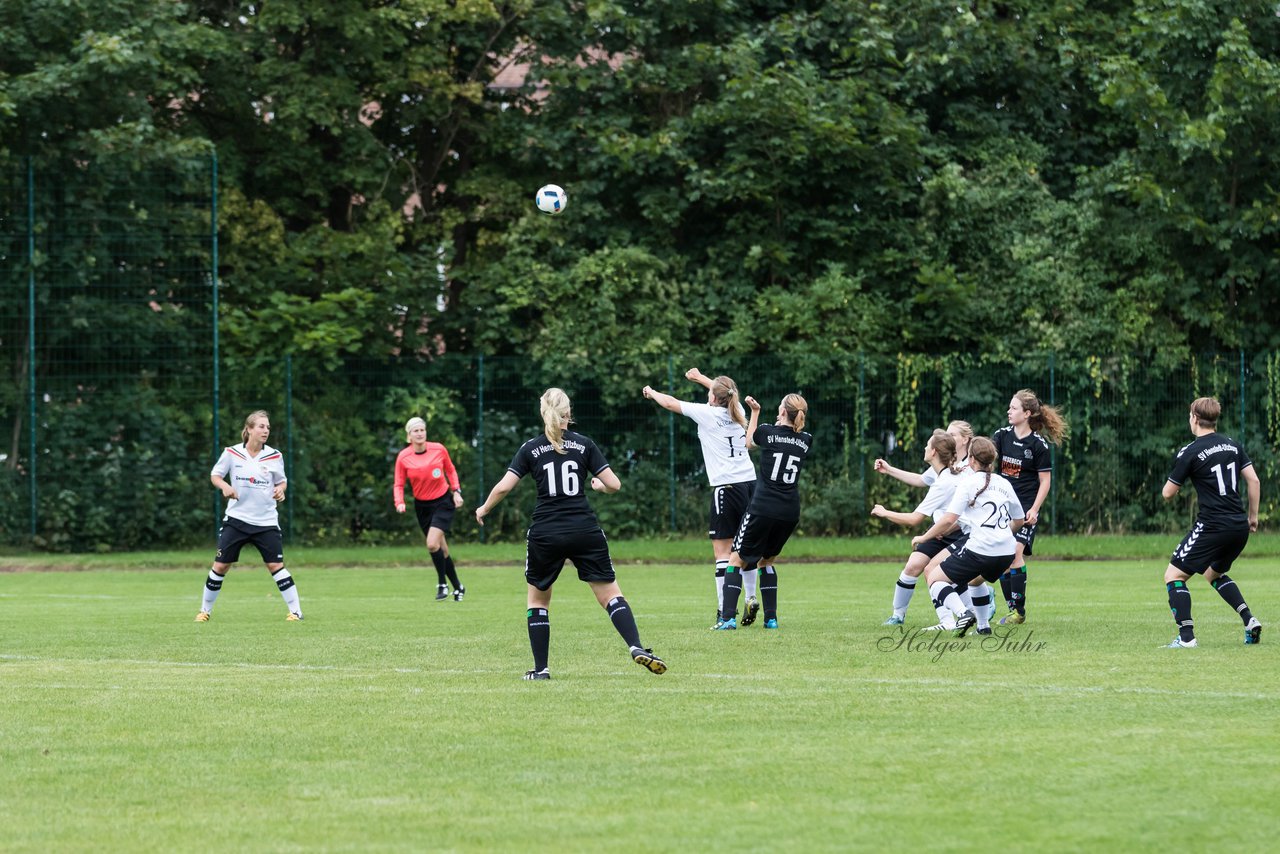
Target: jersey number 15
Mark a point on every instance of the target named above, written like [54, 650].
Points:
[789, 473]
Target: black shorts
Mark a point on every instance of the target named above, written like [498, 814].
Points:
[728, 505]
[1216, 550]
[234, 534]
[1025, 535]
[436, 513]
[929, 548]
[964, 566]
[760, 537]
[545, 556]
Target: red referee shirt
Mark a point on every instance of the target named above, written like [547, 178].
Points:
[430, 473]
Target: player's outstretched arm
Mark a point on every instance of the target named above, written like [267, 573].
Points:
[909, 520]
[910, 478]
[666, 401]
[499, 492]
[1255, 495]
[696, 376]
[754, 406]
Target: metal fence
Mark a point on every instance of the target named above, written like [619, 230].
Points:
[116, 404]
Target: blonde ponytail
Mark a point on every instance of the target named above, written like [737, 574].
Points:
[725, 392]
[554, 406]
[796, 408]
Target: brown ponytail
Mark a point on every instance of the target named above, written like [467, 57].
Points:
[944, 445]
[1045, 420]
[251, 421]
[983, 452]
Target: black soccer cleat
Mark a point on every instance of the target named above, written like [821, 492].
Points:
[965, 622]
[646, 659]
[532, 675]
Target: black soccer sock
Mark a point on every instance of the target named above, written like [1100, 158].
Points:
[623, 620]
[732, 590]
[452, 573]
[769, 592]
[1018, 588]
[1006, 588]
[437, 557]
[539, 636]
[1180, 605]
[1231, 594]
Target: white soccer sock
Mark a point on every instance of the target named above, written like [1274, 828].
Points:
[207, 600]
[945, 617]
[721, 566]
[750, 580]
[288, 590]
[953, 602]
[984, 621]
[902, 594]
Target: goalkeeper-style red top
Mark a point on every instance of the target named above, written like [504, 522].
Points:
[430, 473]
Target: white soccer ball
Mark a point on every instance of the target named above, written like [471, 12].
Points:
[551, 199]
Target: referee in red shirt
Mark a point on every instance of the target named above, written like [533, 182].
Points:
[436, 495]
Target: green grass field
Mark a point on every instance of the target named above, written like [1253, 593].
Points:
[390, 722]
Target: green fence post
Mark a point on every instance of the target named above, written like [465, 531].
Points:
[288, 439]
[861, 426]
[1243, 439]
[671, 440]
[1053, 464]
[480, 493]
[31, 335]
[213, 284]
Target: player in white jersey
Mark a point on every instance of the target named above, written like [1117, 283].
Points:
[939, 453]
[251, 477]
[988, 507]
[722, 430]
[958, 430]
[962, 433]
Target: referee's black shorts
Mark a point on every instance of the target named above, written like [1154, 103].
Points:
[436, 513]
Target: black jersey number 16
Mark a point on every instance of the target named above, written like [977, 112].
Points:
[569, 481]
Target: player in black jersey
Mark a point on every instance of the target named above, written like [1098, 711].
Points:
[774, 509]
[1215, 465]
[564, 527]
[1024, 460]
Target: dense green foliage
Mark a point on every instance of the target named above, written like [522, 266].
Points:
[806, 180]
